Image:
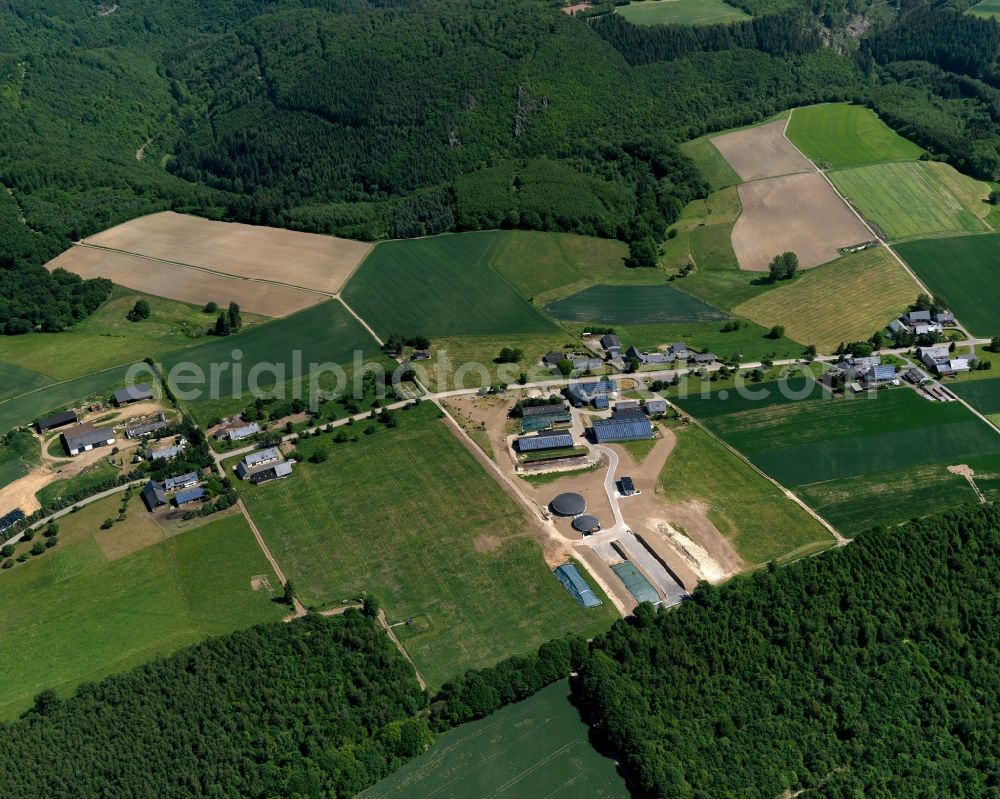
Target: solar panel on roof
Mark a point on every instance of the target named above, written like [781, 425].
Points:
[11, 518]
[533, 443]
[189, 496]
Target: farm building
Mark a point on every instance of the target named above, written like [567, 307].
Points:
[627, 405]
[11, 518]
[147, 428]
[705, 358]
[879, 374]
[267, 473]
[542, 417]
[637, 585]
[553, 439]
[679, 350]
[573, 581]
[939, 360]
[586, 524]
[569, 504]
[588, 393]
[167, 452]
[897, 326]
[553, 358]
[130, 394]
[153, 495]
[917, 317]
[944, 318]
[238, 432]
[584, 364]
[420, 355]
[611, 342]
[626, 487]
[916, 376]
[601, 403]
[181, 481]
[649, 357]
[255, 459]
[655, 407]
[85, 437]
[190, 495]
[56, 420]
[622, 426]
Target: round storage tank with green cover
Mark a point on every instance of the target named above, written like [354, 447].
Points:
[586, 524]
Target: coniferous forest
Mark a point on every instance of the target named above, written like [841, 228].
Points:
[375, 118]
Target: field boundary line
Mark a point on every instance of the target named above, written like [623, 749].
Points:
[205, 269]
[357, 316]
[788, 493]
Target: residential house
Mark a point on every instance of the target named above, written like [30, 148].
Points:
[159, 422]
[655, 407]
[256, 459]
[181, 481]
[705, 358]
[917, 317]
[627, 405]
[239, 431]
[945, 318]
[267, 473]
[167, 452]
[897, 326]
[679, 350]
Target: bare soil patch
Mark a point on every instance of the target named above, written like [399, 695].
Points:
[261, 582]
[487, 543]
[797, 213]
[137, 532]
[186, 284]
[309, 260]
[761, 152]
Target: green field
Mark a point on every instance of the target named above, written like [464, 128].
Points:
[963, 269]
[16, 380]
[440, 286]
[542, 266]
[750, 342]
[28, 407]
[538, 747]
[846, 300]
[107, 338]
[633, 305]
[409, 515]
[78, 613]
[712, 247]
[825, 449]
[86, 480]
[838, 135]
[913, 199]
[681, 12]
[713, 167]
[753, 515]
[989, 9]
[983, 395]
[325, 333]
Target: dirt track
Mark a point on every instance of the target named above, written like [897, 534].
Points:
[798, 213]
[183, 283]
[761, 152]
[321, 263]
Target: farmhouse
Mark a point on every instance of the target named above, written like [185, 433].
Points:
[655, 407]
[85, 437]
[191, 495]
[153, 495]
[611, 342]
[705, 358]
[679, 350]
[622, 426]
[56, 420]
[917, 317]
[159, 422]
[939, 360]
[627, 405]
[596, 393]
[553, 439]
[649, 357]
[944, 318]
[238, 432]
[897, 326]
[182, 481]
[572, 581]
[130, 394]
[267, 473]
[167, 452]
[255, 460]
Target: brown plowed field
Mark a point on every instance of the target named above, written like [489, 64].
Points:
[185, 283]
[797, 213]
[309, 260]
[761, 152]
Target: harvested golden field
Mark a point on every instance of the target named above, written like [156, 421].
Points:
[846, 300]
[761, 152]
[184, 283]
[798, 213]
[309, 260]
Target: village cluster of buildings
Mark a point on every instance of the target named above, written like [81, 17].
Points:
[922, 323]
[184, 488]
[619, 358]
[263, 465]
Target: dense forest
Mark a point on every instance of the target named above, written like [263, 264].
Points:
[321, 707]
[873, 670]
[394, 118]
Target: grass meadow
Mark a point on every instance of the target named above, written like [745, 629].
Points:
[440, 286]
[16, 380]
[409, 516]
[636, 305]
[754, 516]
[988, 9]
[895, 446]
[681, 12]
[104, 601]
[846, 300]
[706, 156]
[538, 747]
[963, 269]
[543, 266]
[750, 341]
[838, 135]
[983, 395]
[915, 199]
[106, 338]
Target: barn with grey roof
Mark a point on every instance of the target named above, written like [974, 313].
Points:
[129, 394]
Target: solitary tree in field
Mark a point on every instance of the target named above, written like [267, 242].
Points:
[783, 267]
[288, 596]
[235, 321]
[222, 325]
[776, 332]
[139, 311]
